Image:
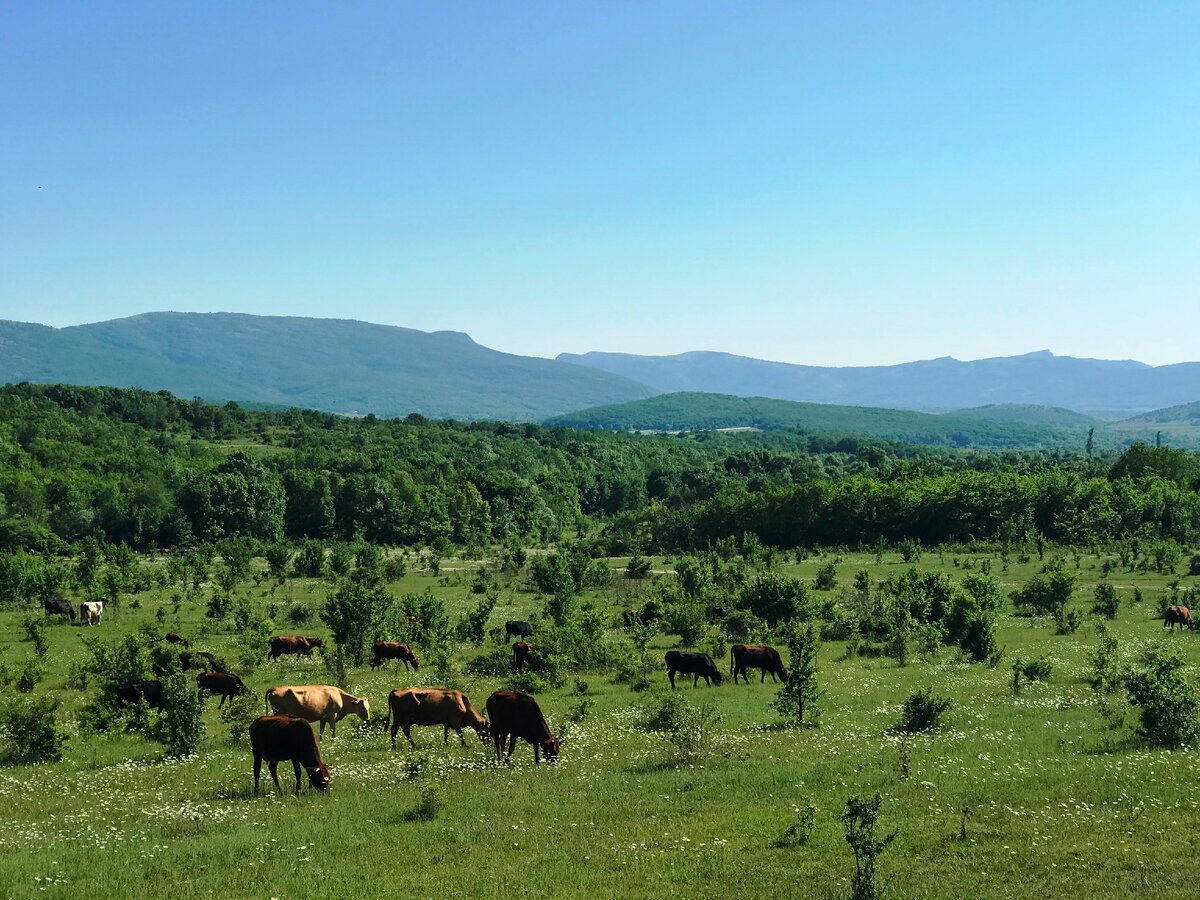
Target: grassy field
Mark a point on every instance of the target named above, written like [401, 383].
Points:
[1060, 805]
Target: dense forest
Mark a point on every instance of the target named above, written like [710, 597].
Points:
[150, 470]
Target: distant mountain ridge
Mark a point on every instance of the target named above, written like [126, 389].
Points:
[935, 385]
[336, 365]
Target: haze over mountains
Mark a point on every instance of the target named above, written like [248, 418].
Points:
[352, 367]
[1112, 387]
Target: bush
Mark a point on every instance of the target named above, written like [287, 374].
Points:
[637, 567]
[798, 833]
[910, 551]
[859, 820]
[220, 605]
[1106, 601]
[978, 639]
[1194, 564]
[1046, 594]
[688, 728]
[310, 560]
[923, 711]
[238, 713]
[29, 732]
[31, 674]
[528, 683]
[355, 611]
[688, 621]
[774, 598]
[1167, 699]
[299, 614]
[428, 806]
[181, 726]
[35, 631]
[473, 626]
[1037, 669]
[826, 579]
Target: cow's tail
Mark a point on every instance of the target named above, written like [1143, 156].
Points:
[267, 700]
[731, 659]
[387, 722]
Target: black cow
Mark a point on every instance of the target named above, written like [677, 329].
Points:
[698, 665]
[150, 691]
[517, 628]
[59, 606]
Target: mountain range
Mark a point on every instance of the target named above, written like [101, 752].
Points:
[1114, 388]
[355, 368]
[336, 365]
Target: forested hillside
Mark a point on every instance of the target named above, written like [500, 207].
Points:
[338, 365]
[148, 469]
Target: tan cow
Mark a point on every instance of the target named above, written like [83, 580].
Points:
[433, 706]
[90, 613]
[317, 703]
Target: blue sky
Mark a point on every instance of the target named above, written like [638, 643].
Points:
[830, 183]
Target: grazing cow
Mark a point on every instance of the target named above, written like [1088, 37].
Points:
[172, 638]
[90, 613]
[59, 606]
[224, 683]
[698, 665]
[280, 738]
[294, 644]
[517, 628]
[521, 651]
[1178, 615]
[433, 706]
[515, 715]
[646, 616]
[317, 703]
[198, 659]
[150, 691]
[715, 613]
[385, 650]
[756, 656]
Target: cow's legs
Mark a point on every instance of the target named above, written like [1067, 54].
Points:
[695, 678]
[512, 745]
[296, 767]
[273, 766]
[257, 770]
[462, 740]
[671, 677]
[537, 758]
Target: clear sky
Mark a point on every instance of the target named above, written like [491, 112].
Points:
[831, 183]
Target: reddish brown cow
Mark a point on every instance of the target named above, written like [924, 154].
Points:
[172, 638]
[433, 706]
[521, 651]
[1178, 615]
[756, 656]
[294, 644]
[281, 738]
[385, 650]
[226, 684]
[515, 715]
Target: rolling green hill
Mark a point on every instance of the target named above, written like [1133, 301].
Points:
[1184, 414]
[1005, 426]
[701, 412]
[335, 365]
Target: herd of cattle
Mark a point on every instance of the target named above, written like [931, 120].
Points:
[285, 733]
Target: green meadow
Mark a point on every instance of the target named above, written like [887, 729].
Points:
[1013, 796]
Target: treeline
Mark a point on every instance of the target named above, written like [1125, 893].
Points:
[147, 469]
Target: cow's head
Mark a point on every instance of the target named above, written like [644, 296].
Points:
[316, 643]
[319, 777]
[484, 729]
[551, 749]
[783, 673]
[715, 675]
[361, 706]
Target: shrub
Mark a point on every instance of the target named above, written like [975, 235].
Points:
[1037, 669]
[688, 728]
[354, 611]
[181, 726]
[1046, 594]
[798, 833]
[220, 605]
[428, 806]
[299, 614]
[910, 551]
[31, 673]
[1194, 564]
[979, 637]
[1167, 699]
[238, 713]
[29, 732]
[826, 579]
[35, 631]
[799, 693]
[1067, 622]
[473, 626]
[310, 560]
[637, 567]
[859, 820]
[688, 621]
[775, 598]
[528, 683]
[923, 711]
[1106, 601]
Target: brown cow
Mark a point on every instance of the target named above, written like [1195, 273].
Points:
[1178, 615]
[172, 638]
[433, 706]
[226, 684]
[295, 644]
[756, 656]
[515, 715]
[322, 703]
[385, 650]
[280, 738]
[521, 651]
[645, 616]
